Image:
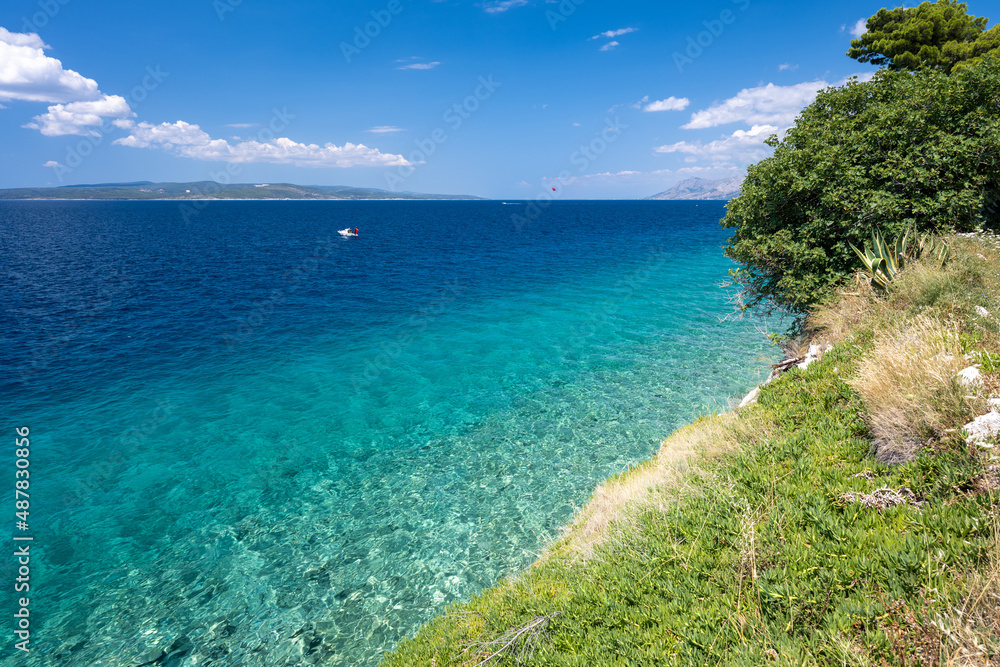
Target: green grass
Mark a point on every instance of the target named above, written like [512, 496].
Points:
[762, 559]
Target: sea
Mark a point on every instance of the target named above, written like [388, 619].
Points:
[255, 441]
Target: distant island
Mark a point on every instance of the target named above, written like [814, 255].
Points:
[213, 190]
[703, 188]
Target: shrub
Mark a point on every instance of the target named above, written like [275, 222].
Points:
[900, 151]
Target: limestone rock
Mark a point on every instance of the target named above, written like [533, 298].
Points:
[982, 428]
[970, 376]
[814, 354]
[749, 398]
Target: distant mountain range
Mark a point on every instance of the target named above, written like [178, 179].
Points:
[703, 188]
[213, 190]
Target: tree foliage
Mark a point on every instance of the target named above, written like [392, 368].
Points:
[900, 151]
[939, 35]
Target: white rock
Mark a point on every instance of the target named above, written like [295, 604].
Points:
[969, 376]
[982, 312]
[993, 403]
[749, 398]
[982, 428]
[814, 353]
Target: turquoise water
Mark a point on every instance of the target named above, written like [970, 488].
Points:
[237, 464]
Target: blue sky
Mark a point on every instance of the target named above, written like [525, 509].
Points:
[503, 99]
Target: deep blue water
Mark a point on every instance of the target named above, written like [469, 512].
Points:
[255, 442]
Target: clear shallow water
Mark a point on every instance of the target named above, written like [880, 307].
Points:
[258, 443]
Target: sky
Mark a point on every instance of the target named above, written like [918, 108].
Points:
[494, 98]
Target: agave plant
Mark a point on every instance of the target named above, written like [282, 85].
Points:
[884, 260]
[935, 248]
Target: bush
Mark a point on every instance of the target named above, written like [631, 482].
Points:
[902, 150]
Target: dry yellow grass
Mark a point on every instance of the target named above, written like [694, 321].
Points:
[843, 316]
[909, 386]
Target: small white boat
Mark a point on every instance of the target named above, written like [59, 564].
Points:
[346, 232]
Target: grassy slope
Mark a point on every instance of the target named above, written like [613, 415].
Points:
[749, 553]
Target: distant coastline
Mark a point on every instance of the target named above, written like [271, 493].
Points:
[212, 191]
[183, 199]
[691, 189]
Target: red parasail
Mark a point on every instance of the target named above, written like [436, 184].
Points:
[553, 189]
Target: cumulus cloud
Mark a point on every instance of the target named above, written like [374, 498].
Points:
[80, 117]
[741, 145]
[51, 163]
[773, 104]
[28, 39]
[611, 34]
[670, 104]
[609, 46]
[766, 110]
[26, 73]
[502, 5]
[189, 140]
[859, 28]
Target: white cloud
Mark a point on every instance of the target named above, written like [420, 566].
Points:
[741, 145]
[789, 66]
[80, 117]
[611, 34]
[385, 129]
[859, 28]
[28, 39]
[420, 66]
[609, 46]
[766, 109]
[670, 104]
[242, 125]
[773, 104]
[189, 140]
[51, 163]
[26, 73]
[502, 5]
